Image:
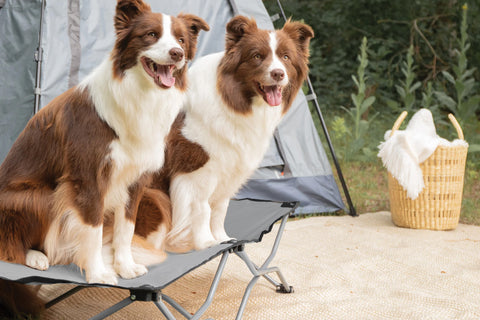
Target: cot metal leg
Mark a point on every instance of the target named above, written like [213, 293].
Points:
[63, 296]
[163, 309]
[264, 270]
[122, 304]
[137, 295]
[211, 293]
[176, 306]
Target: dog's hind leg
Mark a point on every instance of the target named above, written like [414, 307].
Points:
[23, 217]
[37, 260]
[76, 232]
[181, 193]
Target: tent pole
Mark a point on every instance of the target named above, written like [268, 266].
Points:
[351, 207]
[38, 59]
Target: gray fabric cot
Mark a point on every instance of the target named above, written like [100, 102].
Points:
[238, 224]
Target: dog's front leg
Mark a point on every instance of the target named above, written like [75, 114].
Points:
[217, 221]
[90, 256]
[123, 230]
[201, 234]
[123, 262]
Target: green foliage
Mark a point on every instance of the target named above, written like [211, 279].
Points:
[465, 102]
[361, 104]
[418, 56]
[430, 26]
[407, 89]
[341, 135]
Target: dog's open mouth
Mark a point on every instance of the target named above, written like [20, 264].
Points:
[271, 94]
[161, 74]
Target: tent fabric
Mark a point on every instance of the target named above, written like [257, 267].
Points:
[19, 22]
[237, 224]
[77, 36]
[317, 193]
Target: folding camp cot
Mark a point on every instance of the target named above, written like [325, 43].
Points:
[247, 221]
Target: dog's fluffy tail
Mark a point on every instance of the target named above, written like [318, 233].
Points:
[19, 300]
[143, 252]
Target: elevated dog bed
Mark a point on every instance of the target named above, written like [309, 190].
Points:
[246, 220]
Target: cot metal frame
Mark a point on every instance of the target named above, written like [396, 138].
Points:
[161, 300]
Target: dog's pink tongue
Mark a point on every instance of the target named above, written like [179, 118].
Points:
[273, 95]
[165, 76]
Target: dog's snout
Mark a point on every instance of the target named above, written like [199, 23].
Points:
[277, 74]
[176, 54]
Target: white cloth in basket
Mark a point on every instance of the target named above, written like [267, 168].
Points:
[404, 151]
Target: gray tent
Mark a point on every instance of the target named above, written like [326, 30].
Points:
[76, 35]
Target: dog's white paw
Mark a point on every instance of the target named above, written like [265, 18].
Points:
[131, 271]
[37, 260]
[207, 243]
[106, 277]
[221, 236]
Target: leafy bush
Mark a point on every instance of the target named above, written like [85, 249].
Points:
[465, 103]
[417, 57]
[356, 141]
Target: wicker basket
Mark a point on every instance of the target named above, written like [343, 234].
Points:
[438, 205]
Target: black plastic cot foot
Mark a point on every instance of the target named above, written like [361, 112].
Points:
[282, 289]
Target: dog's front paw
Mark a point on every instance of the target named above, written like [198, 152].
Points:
[37, 260]
[106, 277]
[221, 236]
[207, 243]
[131, 271]
[224, 238]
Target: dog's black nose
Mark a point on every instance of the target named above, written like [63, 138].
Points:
[277, 74]
[176, 54]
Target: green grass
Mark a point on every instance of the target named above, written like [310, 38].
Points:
[471, 199]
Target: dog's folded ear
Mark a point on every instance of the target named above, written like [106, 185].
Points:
[194, 25]
[126, 11]
[237, 28]
[300, 32]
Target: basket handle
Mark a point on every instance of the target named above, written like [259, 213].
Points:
[452, 118]
[399, 121]
[454, 121]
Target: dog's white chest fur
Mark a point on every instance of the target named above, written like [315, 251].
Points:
[141, 118]
[235, 143]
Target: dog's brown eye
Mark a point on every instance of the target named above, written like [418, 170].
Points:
[286, 57]
[152, 34]
[257, 56]
[181, 40]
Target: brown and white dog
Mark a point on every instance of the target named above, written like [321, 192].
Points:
[87, 155]
[235, 101]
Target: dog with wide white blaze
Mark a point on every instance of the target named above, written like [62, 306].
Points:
[86, 157]
[235, 101]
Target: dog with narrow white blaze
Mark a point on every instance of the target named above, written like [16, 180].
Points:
[235, 101]
[86, 157]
